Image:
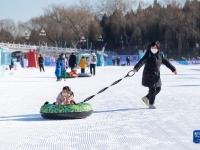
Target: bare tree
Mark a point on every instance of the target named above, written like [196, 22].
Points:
[65, 25]
[109, 6]
[8, 26]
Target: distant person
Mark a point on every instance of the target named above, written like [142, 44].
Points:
[64, 66]
[113, 61]
[67, 61]
[22, 61]
[11, 64]
[41, 63]
[58, 70]
[83, 64]
[152, 60]
[118, 61]
[25, 61]
[93, 62]
[128, 61]
[72, 61]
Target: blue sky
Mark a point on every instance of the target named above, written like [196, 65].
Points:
[23, 10]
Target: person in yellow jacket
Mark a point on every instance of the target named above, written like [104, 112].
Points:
[83, 64]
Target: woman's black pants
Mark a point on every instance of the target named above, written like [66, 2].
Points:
[41, 66]
[153, 91]
[92, 69]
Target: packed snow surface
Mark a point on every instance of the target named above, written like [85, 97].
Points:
[120, 120]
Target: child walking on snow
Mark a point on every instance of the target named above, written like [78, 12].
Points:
[83, 64]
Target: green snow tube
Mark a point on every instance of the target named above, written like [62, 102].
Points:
[74, 111]
[65, 75]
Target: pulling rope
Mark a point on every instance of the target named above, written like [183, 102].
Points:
[129, 74]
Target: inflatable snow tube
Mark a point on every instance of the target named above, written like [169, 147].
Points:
[74, 111]
[84, 75]
[71, 75]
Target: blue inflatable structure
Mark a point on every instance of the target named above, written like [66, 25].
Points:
[5, 57]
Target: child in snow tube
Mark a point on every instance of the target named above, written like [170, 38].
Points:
[65, 107]
[66, 97]
[74, 111]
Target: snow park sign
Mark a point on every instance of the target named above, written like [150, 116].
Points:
[196, 136]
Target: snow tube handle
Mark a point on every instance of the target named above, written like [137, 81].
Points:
[130, 73]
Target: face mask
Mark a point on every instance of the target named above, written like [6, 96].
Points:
[154, 50]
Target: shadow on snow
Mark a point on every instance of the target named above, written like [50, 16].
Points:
[37, 117]
[28, 117]
[118, 110]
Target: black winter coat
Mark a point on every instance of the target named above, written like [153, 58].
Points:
[40, 60]
[151, 73]
[72, 61]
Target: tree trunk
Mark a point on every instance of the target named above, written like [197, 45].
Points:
[179, 43]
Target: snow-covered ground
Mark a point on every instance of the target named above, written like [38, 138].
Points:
[120, 120]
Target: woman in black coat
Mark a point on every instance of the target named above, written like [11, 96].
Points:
[41, 63]
[152, 60]
[72, 61]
